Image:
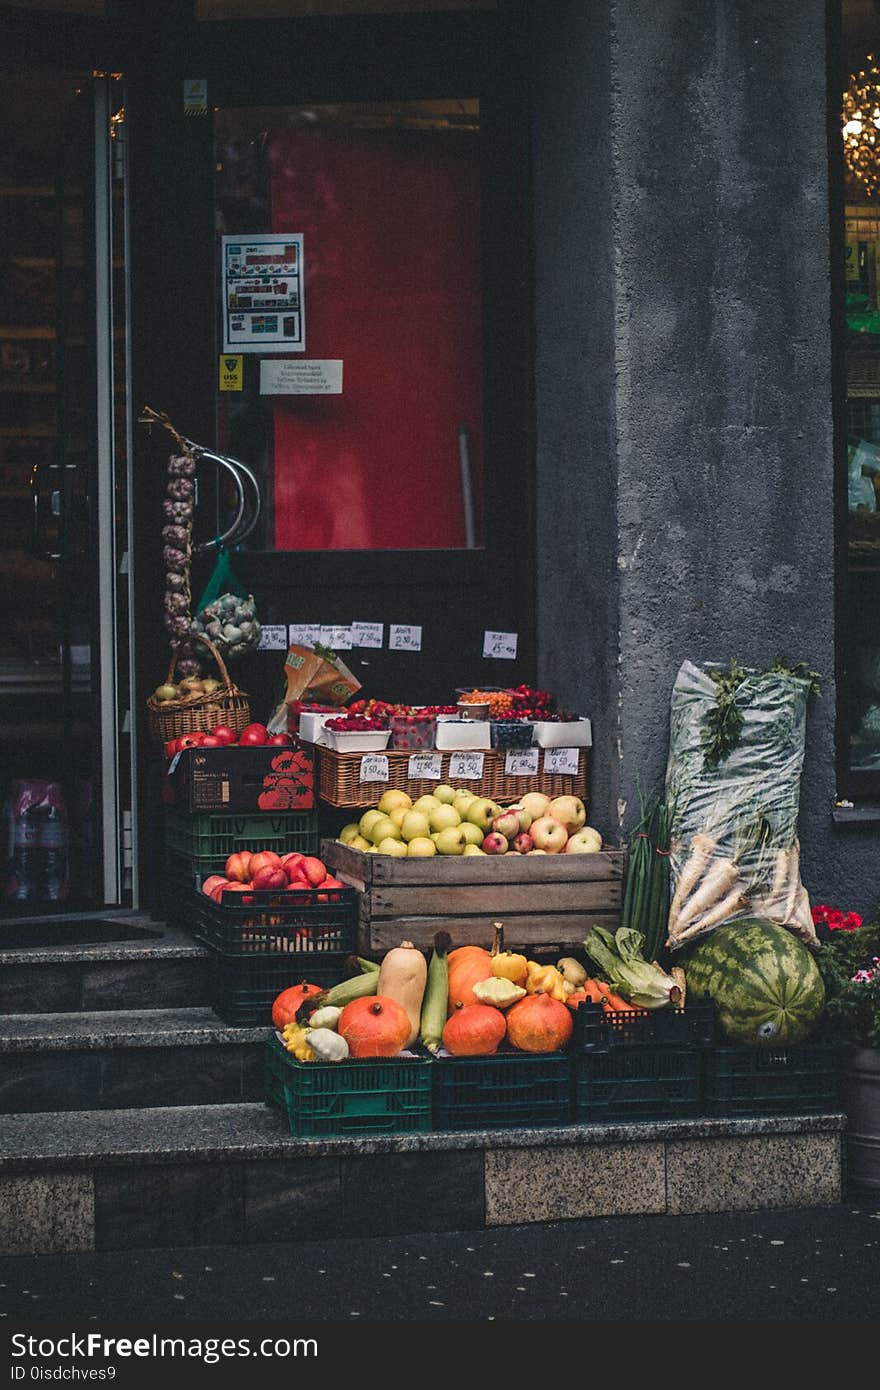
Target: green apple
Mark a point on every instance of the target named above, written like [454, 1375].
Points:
[381, 829]
[359, 842]
[426, 803]
[392, 846]
[482, 812]
[348, 832]
[415, 825]
[472, 833]
[451, 840]
[474, 849]
[391, 797]
[397, 814]
[463, 800]
[421, 846]
[367, 819]
[443, 817]
[444, 793]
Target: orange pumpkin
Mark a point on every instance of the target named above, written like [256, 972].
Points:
[286, 1004]
[466, 967]
[375, 1026]
[474, 1031]
[539, 1023]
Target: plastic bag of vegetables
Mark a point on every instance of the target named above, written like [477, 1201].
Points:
[226, 612]
[736, 752]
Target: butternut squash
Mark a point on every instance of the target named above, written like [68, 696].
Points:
[403, 975]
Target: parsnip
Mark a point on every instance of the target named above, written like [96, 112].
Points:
[718, 882]
[733, 902]
[701, 851]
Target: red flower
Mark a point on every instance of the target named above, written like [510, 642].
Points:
[834, 919]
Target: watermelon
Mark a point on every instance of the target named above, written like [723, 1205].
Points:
[763, 981]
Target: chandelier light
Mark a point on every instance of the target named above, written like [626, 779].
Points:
[861, 128]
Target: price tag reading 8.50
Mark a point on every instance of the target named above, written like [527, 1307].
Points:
[374, 767]
[521, 762]
[561, 760]
[465, 767]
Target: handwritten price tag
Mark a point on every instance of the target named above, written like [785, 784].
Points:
[273, 638]
[337, 636]
[424, 765]
[465, 766]
[502, 644]
[374, 767]
[367, 634]
[404, 639]
[564, 760]
[304, 634]
[521, 762]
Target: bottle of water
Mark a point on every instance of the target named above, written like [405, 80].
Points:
[38, 861]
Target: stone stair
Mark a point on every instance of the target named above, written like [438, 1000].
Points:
[132, 1116]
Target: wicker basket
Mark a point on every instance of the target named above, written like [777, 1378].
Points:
[228, 705]
[340, 784]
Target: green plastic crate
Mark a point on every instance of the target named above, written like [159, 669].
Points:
[325, 1100]
[244, 988]
[509, 1089]
[772, 1080]
[639, 1081]
[209, 839]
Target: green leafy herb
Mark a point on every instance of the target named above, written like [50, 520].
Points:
[723, 724]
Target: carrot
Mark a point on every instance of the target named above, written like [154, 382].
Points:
[576, 997]
[702, 849]
[613, 1001]
[593, 990]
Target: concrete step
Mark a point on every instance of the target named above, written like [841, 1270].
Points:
[109, 1059]
[90, 964]
[232, 1174]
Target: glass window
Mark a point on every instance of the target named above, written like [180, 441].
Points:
[350, 321]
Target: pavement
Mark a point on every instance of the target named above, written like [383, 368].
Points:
[817, 1264]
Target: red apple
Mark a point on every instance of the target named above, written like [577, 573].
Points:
[494, 843]
[570, 810]
[238, 866]
[224, 733]
[254, 736]
[507, 824]
[269, 876]
[548, 834]
[522, 842]
[264, 858]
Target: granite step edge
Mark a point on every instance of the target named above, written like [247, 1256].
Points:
[245, 1131]
[124, 1028]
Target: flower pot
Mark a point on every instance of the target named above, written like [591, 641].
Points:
[862, 1106]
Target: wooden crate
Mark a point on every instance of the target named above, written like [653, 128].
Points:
[544, 900]
[339, 777]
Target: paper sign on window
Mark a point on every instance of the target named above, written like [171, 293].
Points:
[262, 287]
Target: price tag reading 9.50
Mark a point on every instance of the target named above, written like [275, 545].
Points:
[425, 765]
[374, 767]
[465, 766]
[561, 760]
[521, 762]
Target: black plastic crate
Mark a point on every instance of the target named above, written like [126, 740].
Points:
[296, 921]
[208, 839]
[660, 1082]
[244, 988]
[772, 1080]
[370, 1095]
[520, 1089]
[696, 1025]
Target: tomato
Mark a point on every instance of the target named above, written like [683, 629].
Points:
[211, 741]
[269, 876]
[213, 881]
[254, 736]
[170, 747]
[189, 741]
[265, 858]
[238, 866]
[224, 733]
[280, 740]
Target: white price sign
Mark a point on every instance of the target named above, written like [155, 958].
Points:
[402, 638]
[464, 767]
[337, 636]
[521, 762]
[367, 634]
[564, 760]
[374, 767]
[273, 638]
[304, 634]
[424, 765]
[501, 644]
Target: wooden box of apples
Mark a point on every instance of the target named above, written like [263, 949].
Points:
[253, 770]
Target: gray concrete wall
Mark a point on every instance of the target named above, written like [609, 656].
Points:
[683, 377]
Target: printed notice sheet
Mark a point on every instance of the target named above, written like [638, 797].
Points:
[262, 287]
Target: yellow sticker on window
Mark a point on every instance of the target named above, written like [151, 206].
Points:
[231, 373]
